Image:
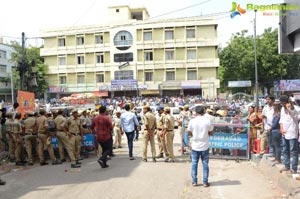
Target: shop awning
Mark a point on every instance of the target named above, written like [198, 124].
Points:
[100, 93]
[150, 92]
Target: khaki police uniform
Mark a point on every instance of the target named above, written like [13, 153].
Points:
[30, 136]
[63, 139]
[160, 138]
[9, 136]
[74, 130]
[169, 135]
[149, 119]
[118, 134]
[42, 128]
[16, 129]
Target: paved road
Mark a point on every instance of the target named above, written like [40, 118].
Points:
[126, 179]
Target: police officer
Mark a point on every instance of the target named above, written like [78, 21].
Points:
[85, 122]
[16, 130]
[148, 135]
[63, 139]
[75, 133]
[30, 135]
[168, 134]
[160, 139]
[117, 131]
[43, 136]
[9, 137]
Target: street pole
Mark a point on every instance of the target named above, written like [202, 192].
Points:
[12, 86]
[23, 64]
[255, 61]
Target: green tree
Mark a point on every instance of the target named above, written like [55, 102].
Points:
[35, 68]
[237, 61]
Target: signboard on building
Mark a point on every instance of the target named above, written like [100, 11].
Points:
[239, 83]
[124, 85]
[287, 85]
[190, 84]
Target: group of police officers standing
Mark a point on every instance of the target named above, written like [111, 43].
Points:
[36, 129]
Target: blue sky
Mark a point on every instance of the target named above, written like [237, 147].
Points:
[31, 16]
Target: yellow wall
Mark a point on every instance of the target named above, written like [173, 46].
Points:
[53, 79]
[71, 78]
[90, 78]
[70, 40]
[158, 75]
[106, 37]
[158, 55]
[180, 74]
[206, 32]
[107, 77]
[106, 57]
[139, 35]
[51, 42]
[71, 59]
[158, 34]
[180, 53]
[179, 33]
[140, 55]
[51, 60]
[89, 58]
[89, 39]
[140, 75]
[205, 73]
[207, 52]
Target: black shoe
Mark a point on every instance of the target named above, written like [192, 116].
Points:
[12, 160]
[56, 162]
[43, 163]
[112, 155]
[145, 160]
[77, 162]
[20, 164]
[119, 147]
[63, 160]
[154, 159]
[2, 182]
[75, 166]
[30, 163]
[114, 147]
[131, 158]
[105, 166]
[108, 157]
[101, 163]
[80, 158]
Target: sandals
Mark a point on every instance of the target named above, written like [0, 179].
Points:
[206, 184]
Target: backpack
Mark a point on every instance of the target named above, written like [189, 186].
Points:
[51, 125]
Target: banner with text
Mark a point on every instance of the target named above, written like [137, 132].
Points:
[229, 141]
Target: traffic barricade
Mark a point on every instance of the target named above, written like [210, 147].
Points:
[230, 139]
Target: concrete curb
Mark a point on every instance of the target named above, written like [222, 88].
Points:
[283, 181]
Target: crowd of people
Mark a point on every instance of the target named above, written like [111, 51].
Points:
[275, 124]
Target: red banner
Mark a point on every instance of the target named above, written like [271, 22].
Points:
[26, 102]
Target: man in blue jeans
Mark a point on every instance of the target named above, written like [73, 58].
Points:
[289, 130]
[128, 124]
[200, 128]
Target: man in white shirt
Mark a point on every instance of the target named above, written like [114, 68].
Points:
[267, 114]
[200, 128]
[289, 130]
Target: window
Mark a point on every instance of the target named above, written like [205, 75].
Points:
[148, 56]
[61, 42]
[148, 76]
[170, 75]
[99, 78]
[192, 75]
[62, 79]
[123, 57]
[61, 60]
[169, 35]
[190, 33]
[80, 78]
[123, 40]
[169, 54]
[80, 59]
[2, 54]
[99, 39]
[191, 54]
[124, 74]
[80, 40]
[147, 36]
[2, 69]
[99, 58]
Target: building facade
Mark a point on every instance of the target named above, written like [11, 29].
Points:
[6, 87]
[134, 55]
